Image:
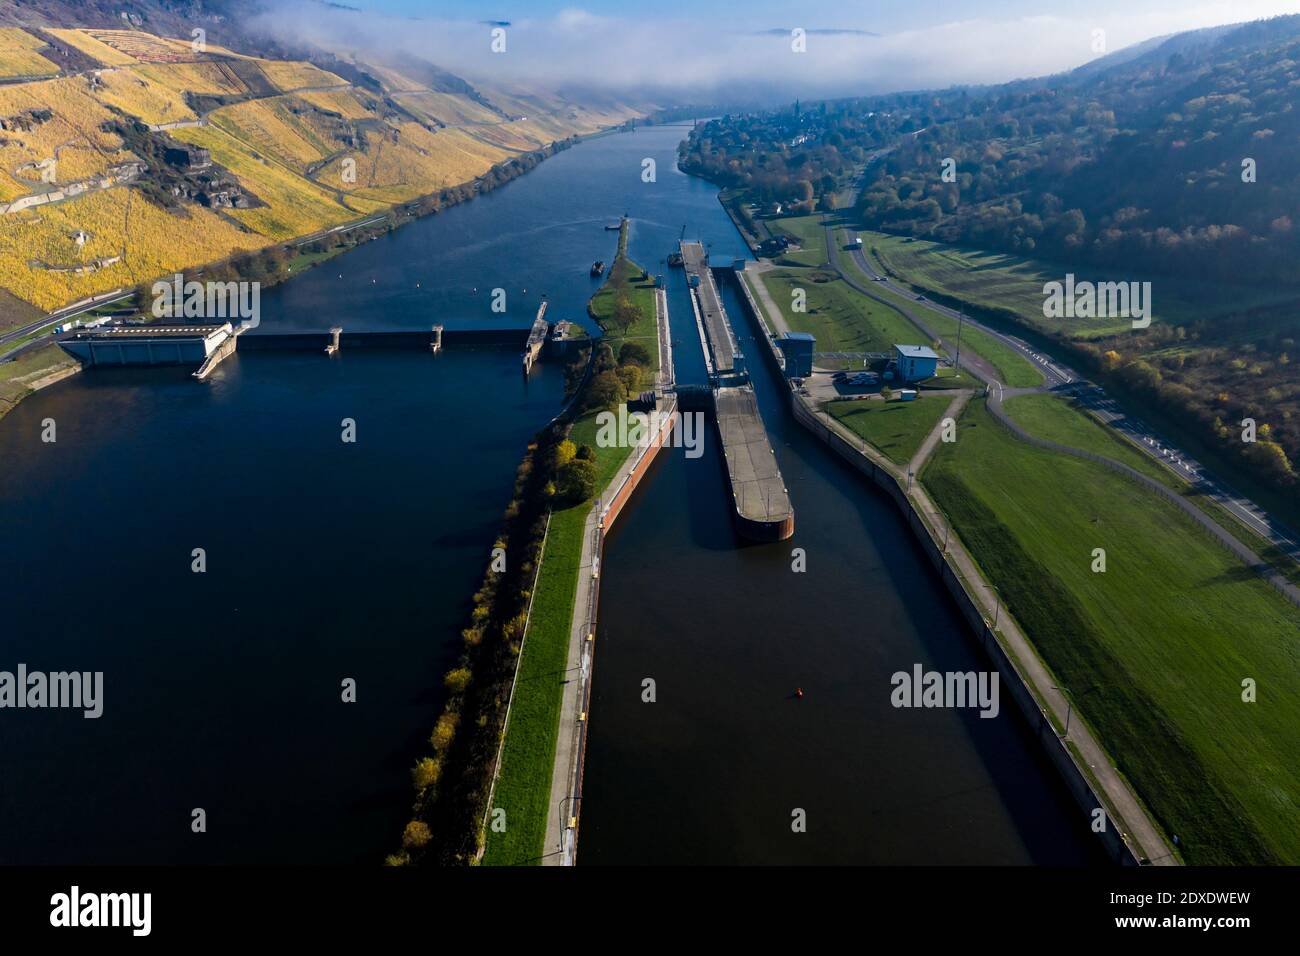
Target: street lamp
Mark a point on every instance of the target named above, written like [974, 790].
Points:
[997, 603]
[1069, 705]
[960, 316]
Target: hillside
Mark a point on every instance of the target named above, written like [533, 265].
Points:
[113, 140]
[1129, 168]
[1136, 162]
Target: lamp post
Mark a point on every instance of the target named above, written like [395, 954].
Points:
[1069, 705]
[997, 603]
[957, 363]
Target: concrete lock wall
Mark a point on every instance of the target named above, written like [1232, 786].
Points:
[1061, 757]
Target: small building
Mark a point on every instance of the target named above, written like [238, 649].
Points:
[797, 347]
[187, 157]
[915, 362]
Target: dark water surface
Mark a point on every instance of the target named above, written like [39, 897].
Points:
[328, 560]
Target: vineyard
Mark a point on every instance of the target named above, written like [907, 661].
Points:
[54, 120]
[19, 54]
[290, 75]
[148, 100]
[80, 40]
[286, 150]
[113, 223]
[294, 207]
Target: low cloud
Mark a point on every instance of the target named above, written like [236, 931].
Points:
[696, 60]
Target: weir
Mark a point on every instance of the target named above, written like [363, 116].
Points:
[207, 346]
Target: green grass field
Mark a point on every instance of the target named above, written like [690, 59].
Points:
[841, 319]
[1055, 419]
[1154, 650]
[896, 428]
[809, 233]
[1015, 370]
[995, 280]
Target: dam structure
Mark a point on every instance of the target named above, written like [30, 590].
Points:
[205, 346]
[762, 502]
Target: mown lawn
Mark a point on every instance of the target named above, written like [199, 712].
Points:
[809, 233]
[1155, 649]
[1014, 369]
[897, 428]
[998, 280]
[1055, 419]
[840, 318]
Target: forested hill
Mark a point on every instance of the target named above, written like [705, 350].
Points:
[1139, 163]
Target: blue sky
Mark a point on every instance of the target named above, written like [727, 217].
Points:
[708, 50]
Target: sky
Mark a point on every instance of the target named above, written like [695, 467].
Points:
[711, 51]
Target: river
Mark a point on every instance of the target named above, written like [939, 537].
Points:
[328, 561]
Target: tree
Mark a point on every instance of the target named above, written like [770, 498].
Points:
[633, 353]
[578, 480]
[457, 680]
[625, 313]
[416, 835]
[630, 376]
[425, 773]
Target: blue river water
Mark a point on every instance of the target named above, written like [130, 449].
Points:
[328, 561]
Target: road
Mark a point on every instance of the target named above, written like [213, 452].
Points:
[1060, 378]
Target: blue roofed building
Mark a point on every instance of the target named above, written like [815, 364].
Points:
[915, 362]
[797, 347]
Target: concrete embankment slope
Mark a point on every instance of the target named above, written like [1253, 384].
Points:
[1091, 777]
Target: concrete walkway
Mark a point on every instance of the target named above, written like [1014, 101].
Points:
[931, 440]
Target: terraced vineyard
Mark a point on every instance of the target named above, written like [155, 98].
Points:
[20, 56]
[80, 213]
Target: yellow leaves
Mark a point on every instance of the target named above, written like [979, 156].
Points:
[113, 223]
[19, 56]
[149, 100]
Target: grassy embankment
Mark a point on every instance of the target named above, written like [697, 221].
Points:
[1013, 368]
[1154, 650]
[528, 754]
[839, 318]
[1006, 283]
[896, 428]
[16, 377]
[943, 268]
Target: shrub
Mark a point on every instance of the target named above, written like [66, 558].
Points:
[457, 680]
[425, 773]
[633, 353]
[416, 835]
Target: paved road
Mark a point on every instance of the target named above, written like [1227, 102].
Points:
[1061, 378]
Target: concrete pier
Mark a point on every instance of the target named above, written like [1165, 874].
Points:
[536, 339]
[762, 503]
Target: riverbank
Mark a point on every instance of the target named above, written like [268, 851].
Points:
[31, 372]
